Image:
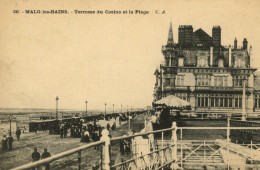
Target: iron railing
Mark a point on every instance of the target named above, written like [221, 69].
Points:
[166, 156]
[105, 141]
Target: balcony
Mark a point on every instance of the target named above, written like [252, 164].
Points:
[223, 88]
[175, 88]
[214, 88]
[206, 88]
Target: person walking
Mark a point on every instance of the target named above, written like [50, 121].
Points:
[46, 154]
[18, 133]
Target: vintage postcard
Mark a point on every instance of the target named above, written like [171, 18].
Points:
[147, 84]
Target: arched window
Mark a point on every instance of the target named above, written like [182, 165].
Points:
[239, 59]
[220, 63]
[181, 62]
[202, 59]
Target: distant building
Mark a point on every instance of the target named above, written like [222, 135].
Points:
[210, 76]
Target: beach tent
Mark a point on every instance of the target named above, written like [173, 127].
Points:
[173, 102]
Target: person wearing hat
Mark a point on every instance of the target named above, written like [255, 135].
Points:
[10, 142]
[4, 143]
[18, 133]
[36, 156]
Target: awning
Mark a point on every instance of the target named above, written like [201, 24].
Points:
[173, 102]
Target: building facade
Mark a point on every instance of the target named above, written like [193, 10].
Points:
[210, 76]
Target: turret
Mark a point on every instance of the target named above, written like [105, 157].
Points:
[170, 35]
[245, 44]
[235, 43]
[250, 55]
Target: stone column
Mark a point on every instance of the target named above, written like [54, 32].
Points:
[105, 150]
[211, 56]
[244, 101]
[229, 56]
[174, 143]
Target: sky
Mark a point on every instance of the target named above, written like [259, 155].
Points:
[103, 58]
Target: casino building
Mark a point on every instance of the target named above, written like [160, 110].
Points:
[210, 76]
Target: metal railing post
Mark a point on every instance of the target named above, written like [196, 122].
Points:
[228, 129]
[181, 156]
[228, 139]
[181, 134]
[105, 151]
[174, 142]
[251, 149]
[204, 156]
[79, 160]
[162, 156]
[181, 150]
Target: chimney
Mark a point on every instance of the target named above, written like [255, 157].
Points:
[185, 35]
[229, 56]
[235, 44]
[216, 36]
[211, 56]
[245, 44]
[250, 55]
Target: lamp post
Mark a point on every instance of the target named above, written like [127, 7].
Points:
[105, 111]
[10, 117]
[57, 99]
[121, 108]
[128, 119]
[86, 107]
[113, 108]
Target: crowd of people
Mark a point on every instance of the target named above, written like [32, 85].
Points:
[7, 142]
[84, 129]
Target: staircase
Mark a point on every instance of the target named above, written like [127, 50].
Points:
[199, 155]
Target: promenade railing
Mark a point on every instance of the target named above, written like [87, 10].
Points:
[165, 156]
[160, 149]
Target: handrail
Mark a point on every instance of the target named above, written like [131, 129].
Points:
[130, 160]
[140, 134]
[57, 156]
[78, 149]
[217, 128]
[75, 150]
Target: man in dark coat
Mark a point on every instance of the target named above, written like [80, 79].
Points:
[35, 155]
[46, 154]
[10, 142]
[113, 126]
[108, 126]
[165, 119]
[122, 147]
[18, 133]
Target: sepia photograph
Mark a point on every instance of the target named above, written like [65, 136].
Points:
[130, 85]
